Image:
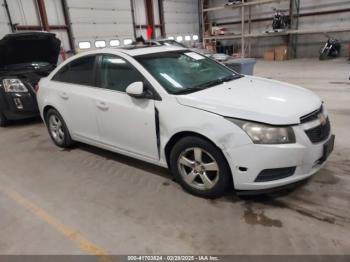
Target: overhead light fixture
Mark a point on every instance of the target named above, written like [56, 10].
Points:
[84, 45]
[179, 38]
[195, 37]
[127, 41]
[187, 38]
[100, 44]
[114, 42]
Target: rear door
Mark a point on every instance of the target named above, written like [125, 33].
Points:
[75, 86]
[125, 123]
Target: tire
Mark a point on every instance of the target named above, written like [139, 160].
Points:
[58, 130]
[3, 120]
[324, 53]
[200, 167]
[324, 56]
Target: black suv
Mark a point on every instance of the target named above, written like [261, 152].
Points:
[24, 59]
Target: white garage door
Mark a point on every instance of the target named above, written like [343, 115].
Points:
[102, 20]
[181, 17]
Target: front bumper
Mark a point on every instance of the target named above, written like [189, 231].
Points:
[248, 161]
[17, 106]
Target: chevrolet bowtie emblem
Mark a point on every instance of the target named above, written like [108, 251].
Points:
[322, 119]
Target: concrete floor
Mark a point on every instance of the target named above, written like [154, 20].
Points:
[88, 200]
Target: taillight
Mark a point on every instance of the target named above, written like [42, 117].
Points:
[36, 88]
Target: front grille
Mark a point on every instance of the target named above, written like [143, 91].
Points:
[275, 174]
[319, 133]
[312, 116]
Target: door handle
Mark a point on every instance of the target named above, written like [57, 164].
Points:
[64, 95]
[102, 105]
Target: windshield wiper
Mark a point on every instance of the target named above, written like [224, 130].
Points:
[187, 90]
[218, 81]
[206, 85]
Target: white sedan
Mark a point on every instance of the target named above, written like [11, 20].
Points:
[213, 128]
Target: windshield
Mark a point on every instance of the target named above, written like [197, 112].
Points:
[185, 71]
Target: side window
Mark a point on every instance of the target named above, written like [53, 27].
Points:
[80, 71]
[117, 74]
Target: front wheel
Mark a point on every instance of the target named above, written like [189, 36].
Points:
[324, 53]
[200, 167]
[58, 129]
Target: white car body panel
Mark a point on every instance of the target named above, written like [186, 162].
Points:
[128, 125]
[132, 127]
[76, 103]
[256, 99]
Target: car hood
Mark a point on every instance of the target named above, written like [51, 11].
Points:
[21, 48]
[255, 99]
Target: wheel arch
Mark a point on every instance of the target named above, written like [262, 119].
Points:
[178, 136]
[46, 109]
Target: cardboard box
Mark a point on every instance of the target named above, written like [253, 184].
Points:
[281, 53]
[211, 47]
[269, 55]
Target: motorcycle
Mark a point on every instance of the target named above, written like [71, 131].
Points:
[280, 20]
[331, 49]
[234, 2]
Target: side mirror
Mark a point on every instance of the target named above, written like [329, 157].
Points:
[137, 90]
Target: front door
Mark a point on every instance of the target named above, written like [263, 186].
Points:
[125, 123]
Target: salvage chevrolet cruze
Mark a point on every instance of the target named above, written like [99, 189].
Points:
[213, 128]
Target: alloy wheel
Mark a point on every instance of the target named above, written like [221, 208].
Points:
[198, 168]
[56, 129]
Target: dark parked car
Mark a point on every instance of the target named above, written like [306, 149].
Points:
[24, 59]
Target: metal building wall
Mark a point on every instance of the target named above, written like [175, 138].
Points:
[308, 45]
[141, 17]
[106, 20]
[22, 12]
[4, 21]
[25, 13]
[55, 16]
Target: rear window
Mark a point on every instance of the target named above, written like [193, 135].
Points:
[80, 71]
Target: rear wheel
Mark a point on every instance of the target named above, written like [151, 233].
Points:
[200, 167]
[3, 120]
[58, 129]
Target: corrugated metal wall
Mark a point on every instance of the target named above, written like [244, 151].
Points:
[308, 45]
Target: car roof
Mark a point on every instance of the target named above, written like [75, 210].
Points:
[136, 51]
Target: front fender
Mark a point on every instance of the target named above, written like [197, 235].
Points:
[177, 118]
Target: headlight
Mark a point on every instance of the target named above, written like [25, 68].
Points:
[266, 134]
[14, 86]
